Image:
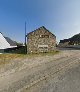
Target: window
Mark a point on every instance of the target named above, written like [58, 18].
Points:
[44, 36]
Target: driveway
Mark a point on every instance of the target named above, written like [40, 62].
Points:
[58, 73]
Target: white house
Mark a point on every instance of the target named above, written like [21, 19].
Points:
[6, 42]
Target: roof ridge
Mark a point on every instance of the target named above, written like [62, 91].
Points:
[40, 28]
[1, 33]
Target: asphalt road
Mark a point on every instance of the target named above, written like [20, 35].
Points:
[59, 73]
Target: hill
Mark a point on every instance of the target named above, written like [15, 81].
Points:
[10, 41]
[73, 40]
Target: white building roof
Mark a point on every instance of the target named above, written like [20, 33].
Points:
[3, 42]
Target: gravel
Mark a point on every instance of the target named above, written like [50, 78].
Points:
[58, 73]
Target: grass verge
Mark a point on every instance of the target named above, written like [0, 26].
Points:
[5, 58]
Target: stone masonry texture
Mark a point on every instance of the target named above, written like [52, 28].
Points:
[40, 40]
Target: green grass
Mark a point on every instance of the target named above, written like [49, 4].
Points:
[5, 58]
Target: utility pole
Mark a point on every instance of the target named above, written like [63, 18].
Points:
[25, 40]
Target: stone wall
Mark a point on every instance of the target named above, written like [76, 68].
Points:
[40, 40]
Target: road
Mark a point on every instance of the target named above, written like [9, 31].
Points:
[58, 73]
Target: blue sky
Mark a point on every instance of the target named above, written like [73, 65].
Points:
[61, 17]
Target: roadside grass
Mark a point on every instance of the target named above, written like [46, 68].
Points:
[10, 56]
[43, 54]
[6, 58]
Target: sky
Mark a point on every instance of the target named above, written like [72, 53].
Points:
[61, 17]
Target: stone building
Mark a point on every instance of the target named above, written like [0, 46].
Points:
[40, 40]
[64, 43]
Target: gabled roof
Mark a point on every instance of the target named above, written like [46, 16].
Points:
[3, 43]
[6, 42]
[40, 28]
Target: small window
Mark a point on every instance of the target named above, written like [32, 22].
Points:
[44, 36]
